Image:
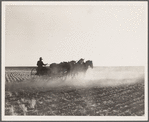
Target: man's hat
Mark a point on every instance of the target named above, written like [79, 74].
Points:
[40, 58]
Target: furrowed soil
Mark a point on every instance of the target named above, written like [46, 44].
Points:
[102, 92]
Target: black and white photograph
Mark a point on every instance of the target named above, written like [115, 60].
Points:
[74, 60]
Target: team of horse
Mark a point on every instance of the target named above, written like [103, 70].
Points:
[70, 68]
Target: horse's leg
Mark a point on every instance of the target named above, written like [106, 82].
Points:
[72, 75]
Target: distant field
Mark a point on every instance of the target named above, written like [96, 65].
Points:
[17, 74]
[19, 69]
[104, 91]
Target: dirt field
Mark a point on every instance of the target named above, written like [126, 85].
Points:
[103, 92]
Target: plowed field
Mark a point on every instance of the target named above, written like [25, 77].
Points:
[28, 96]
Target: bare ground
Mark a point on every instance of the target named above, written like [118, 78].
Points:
[94, 97]
[126, 100]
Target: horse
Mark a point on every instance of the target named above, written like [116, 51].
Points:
[81, 61]
[65, 67]
[81, 67]
[87, 64]
[71, 68]
[72, 65]
[62, 68]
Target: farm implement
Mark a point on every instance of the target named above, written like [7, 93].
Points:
[52, 73]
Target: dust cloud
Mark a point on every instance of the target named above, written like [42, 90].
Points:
[94, 78]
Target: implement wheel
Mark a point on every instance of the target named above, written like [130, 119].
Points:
[34, 72]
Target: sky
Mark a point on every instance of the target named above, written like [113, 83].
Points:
[108, 33]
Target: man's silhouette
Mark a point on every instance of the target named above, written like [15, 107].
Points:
[40, 67]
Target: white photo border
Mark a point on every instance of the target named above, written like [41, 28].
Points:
[66, 118]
